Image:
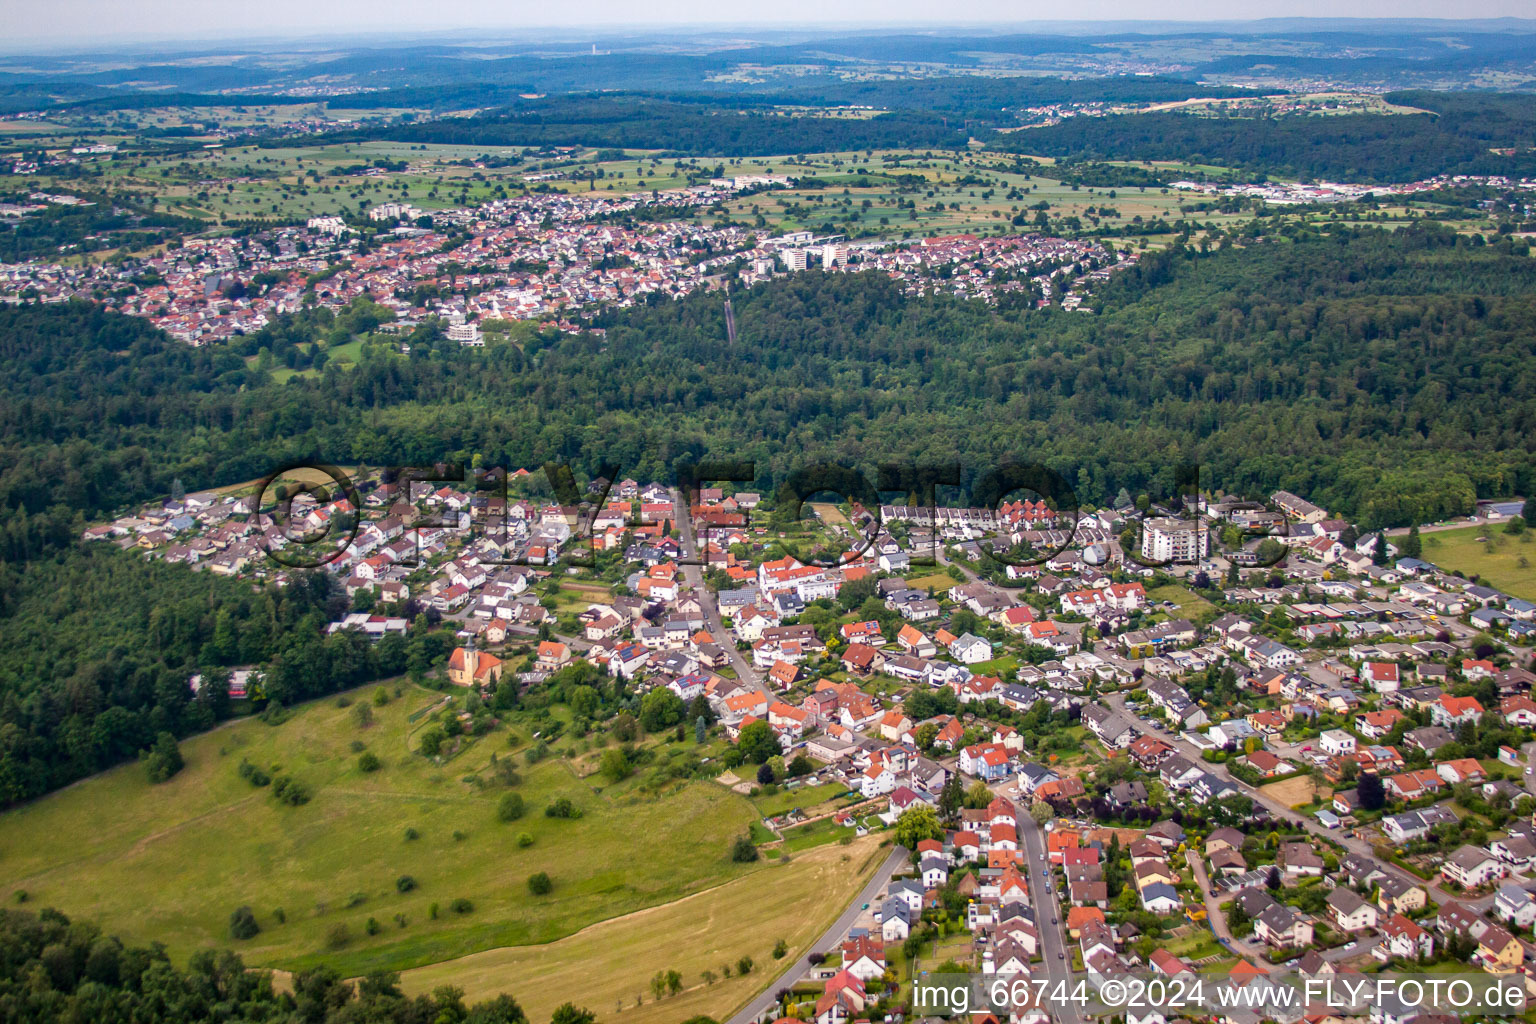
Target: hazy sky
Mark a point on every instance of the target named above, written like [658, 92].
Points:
[92, 21]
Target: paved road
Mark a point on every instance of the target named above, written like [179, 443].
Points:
[1305, 822]
[1459, 524]
[1047, 904]
[767, 1000]
[693, 576]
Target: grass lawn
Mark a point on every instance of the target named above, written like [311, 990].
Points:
[170, 862]
[817, 833]
[803, 797]
[829, 513]
[1191, 605]
[1498, 563]
[575, 597]
[939, 581]
[1197, 945]
[608, 966]
[1004, 667]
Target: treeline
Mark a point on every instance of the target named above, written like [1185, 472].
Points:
[55, 969]
[1344, 147]
[641, 122]
[700, 80]
[108, 222]
[1386, 374]
[97, 647]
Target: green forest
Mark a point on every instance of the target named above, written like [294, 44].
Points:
[646, 122]
[1456, 139]
[1386, 375]
[92, 672]
[55, 969]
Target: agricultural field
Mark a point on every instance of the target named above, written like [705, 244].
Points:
[1497, 558]
[170, 862]
[900, 194]
[699, 933]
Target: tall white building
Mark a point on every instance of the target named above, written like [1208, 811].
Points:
[1174, 540]
[466, 334]
[794, 259]
[834, 255]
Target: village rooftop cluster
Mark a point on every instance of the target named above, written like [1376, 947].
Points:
[1325, 764]
[551, 257]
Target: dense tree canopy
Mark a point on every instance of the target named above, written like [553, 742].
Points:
[97, 647]
[57, 970]
[1385, 374]
[1457, 139]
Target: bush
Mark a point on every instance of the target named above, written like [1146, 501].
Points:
[405, 883]
[461, 906]
[290, 791]
[539, 884]
[511, 807]
[743, 850]
[163, 759]
[372, 927]
[338, 936]
[242, 924]
[432, 741]
[411, 833]
[369, 762]
[254, 775]
[562, 808]
[780, 948]
[524, 840]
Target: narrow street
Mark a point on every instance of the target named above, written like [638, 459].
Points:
[1048, 914]
[1217, 919]
[1305, 822]
[693, 576]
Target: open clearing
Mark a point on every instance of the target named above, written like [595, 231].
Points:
[1498, 562]
[829, 513]
[1295, 792]
[609, 966]
[1191, 605]
[170, 862]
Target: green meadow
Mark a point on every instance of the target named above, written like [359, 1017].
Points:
[170, 862]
